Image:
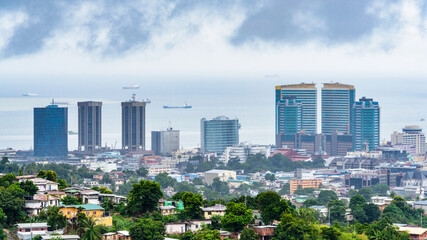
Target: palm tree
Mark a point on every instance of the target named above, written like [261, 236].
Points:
[90, 230]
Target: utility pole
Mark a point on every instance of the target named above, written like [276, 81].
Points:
[421, 219]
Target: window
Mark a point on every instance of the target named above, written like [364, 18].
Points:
[94, 213]
[87, 213]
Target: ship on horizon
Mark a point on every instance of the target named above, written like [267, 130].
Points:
[184, 106]
[136, 86]
[30, 94]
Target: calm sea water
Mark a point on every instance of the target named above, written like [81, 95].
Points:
[251, 102]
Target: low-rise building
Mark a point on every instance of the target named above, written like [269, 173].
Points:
[223, 175]
[153, 170]
[91, 210]
[63, 237]
[415, 233]
[304, 183]
[89, 196]
[167, 210]
[182, 227]
[217, 209]
[264, 232]
[30, 230]
[43, 185]
[40, 201]
[119, 235]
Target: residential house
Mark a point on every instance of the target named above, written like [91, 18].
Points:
[217, 209]
[43, 185]
[381, 202]
[89, 196]
[264, 232]
[415, 232]
[182, 227]
[40, 201]
[420, 204]
[223, 175]
[30, 230]
[167, 210]
[119, 235]
[91, 210]
[114, 198]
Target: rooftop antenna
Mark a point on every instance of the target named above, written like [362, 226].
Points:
[133, 97]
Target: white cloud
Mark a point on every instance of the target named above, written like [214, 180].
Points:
[9, 21]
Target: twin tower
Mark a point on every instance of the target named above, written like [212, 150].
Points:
[296, 112]
[51, 128]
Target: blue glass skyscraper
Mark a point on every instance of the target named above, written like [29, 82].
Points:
[366, 125]
[288, 115]
[51, 131]
[337, 107]
[218, 134]
[307, 94]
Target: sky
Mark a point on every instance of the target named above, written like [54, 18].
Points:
[378, 45]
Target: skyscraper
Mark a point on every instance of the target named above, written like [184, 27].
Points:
[218, 134]
[133, 125]
[366, 124]
[307, 94]
[288, 115]
[51, 131]
[165, 142]
[337, 107]
[89, 126]
[412, 135]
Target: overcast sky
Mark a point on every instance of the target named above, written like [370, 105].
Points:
[272, 38]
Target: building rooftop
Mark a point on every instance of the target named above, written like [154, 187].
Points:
[216, 207]
[44, 197]
[85, 206]
[413, 230]
[32, 225]
[64, 237]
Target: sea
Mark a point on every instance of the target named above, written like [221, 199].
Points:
[252, 102]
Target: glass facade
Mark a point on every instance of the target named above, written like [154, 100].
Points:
[366, 125]
[337, 107]
[288, 116]
[307, 94]
[218, 134]
[51, 131]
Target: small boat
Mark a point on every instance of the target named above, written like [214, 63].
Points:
[30, 94]
[136, 86]
[185, 106]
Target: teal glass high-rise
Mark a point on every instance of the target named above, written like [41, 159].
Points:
[288, 115]
[337, 107]
[366, 125]
[218, 134]
[51, 131]
[307, 94]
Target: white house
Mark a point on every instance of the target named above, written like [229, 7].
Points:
[40, 201]
[30, 230]
[44, 185]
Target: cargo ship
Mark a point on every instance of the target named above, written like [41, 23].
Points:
[30, 94]
[185, 106]
[136, 86]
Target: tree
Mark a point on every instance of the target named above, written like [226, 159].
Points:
[357, 200]
[234, 164]
[248, 234]
[380, 189]
[286, 189]
[69, 200]
[62, 184]
[310, 202]
[147, 229]
[29, 187]
[192, 203]
[91, 232]
[337, 211]
[366, 193]
[220, 186]
[142, 172]
[295, 229]
[165, 180]
[271, 206]
[42, 174]
[51, 176]
[54, 219]
[106, 179]
[330, 233]
[190, 168]
[197, 181]
[12, 203]
[372, 212]
[270, 177]
[105, 190]
[144, 197]
[207, 234]
[236, 217]
[304, 191]
[3, 218]
[326, 196]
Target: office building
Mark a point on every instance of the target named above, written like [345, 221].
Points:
[288, 115]
[218, 134]
[133, 125]
[51, 131]
[334, 144]
[223, 175]
[242, 151]
[307, 94]
[89, 126]
[412, 136]
[296, 184]
[366, 125]
[337, 107]
[164, 142]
